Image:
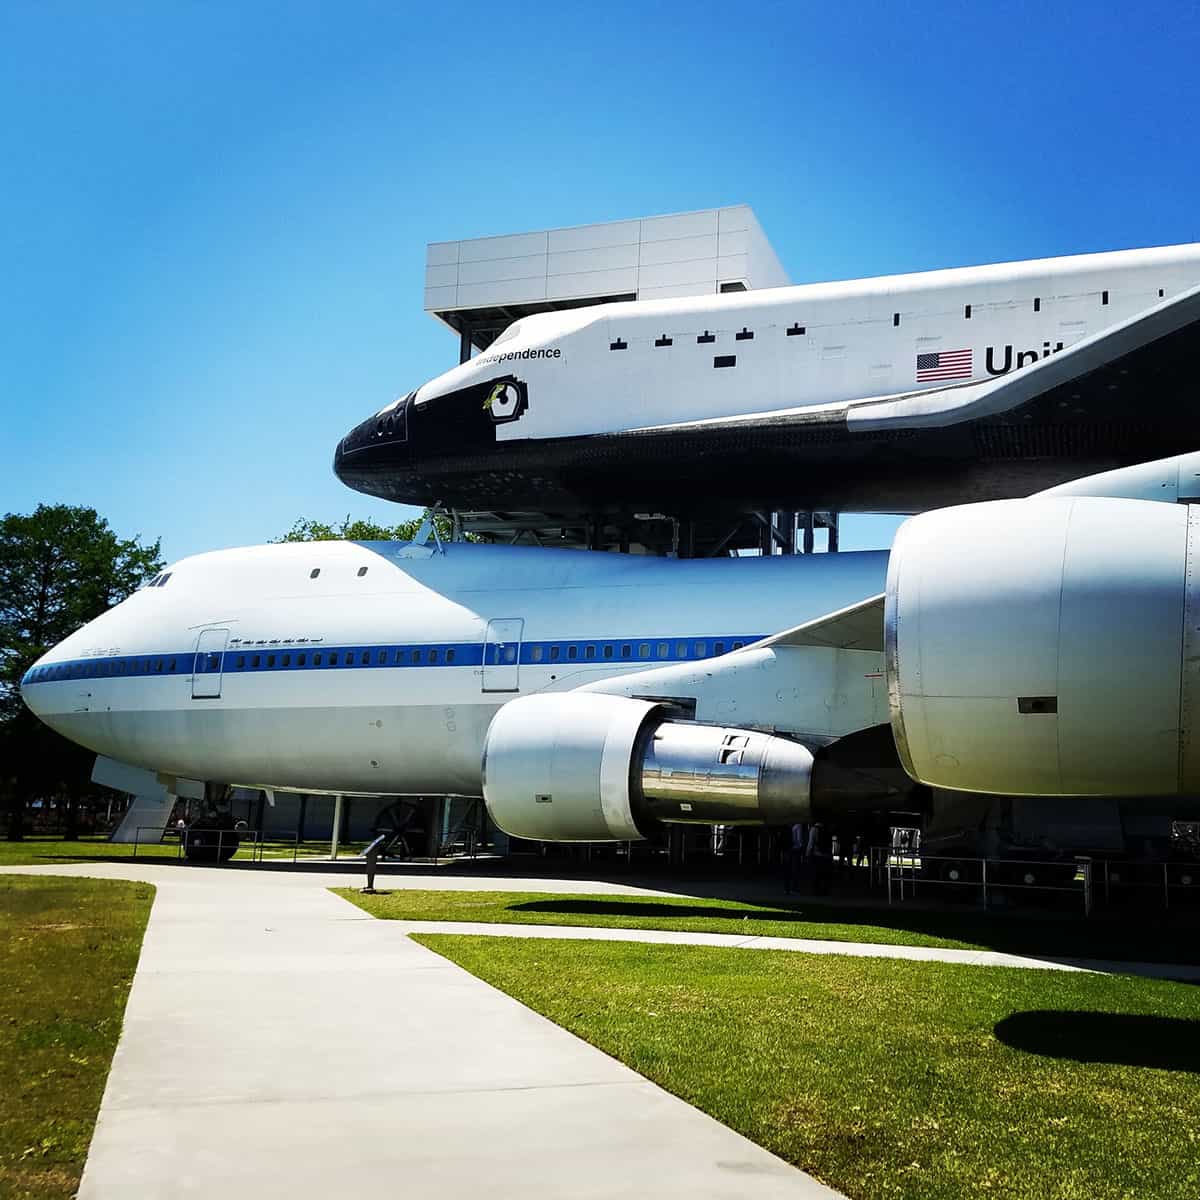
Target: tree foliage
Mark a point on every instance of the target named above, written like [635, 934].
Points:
[60, 567]
[306, 530]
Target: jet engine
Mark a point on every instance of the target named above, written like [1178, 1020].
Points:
[587, 767]
[1047, 647]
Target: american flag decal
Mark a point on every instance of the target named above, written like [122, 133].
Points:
[943, 364]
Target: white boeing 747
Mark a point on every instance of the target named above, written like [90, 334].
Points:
[1047, 646]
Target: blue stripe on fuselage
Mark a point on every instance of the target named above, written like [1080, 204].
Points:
[319, 657]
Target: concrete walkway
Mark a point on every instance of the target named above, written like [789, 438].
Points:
[278, 1042]
[977, 958]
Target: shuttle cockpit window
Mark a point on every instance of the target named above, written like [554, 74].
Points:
[508, 335]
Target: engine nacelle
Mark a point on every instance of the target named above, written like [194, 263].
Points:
[587, 767]
[1047, 647]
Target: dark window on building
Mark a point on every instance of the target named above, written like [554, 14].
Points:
[1037, 304]
[725, 360]
[747, 335]
[895, 320]
[735, 285]
[795, 331]
[619, 344]
[1104, 297]
[705, 338]
[361, 572]
[967, 311]
[314, 572]
[663, 341]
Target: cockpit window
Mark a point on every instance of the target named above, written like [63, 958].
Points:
[508, 335]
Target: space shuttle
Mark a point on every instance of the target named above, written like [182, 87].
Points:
[1047, 646]
[896, 394]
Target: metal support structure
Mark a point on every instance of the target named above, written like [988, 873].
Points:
[806, 526]
[464, 344]
[833, 533]
[335, 840]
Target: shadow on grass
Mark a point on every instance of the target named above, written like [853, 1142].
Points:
[1069, 937]
[1123, 1039]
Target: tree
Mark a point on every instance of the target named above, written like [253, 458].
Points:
[306, 530]
[60, 567]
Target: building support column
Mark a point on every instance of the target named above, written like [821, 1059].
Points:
[336, 838]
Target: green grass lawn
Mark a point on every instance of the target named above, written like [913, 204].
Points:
[891, 1079]
[68, 950]
[897, 925]
[43, 851]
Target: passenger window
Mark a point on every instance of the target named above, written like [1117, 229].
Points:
[450, 656]
[287, 660]
[104, 668]
[361, 572]
[554, 652]
[301, 660]
[349, 658]
[381, 658]
[608, 652]
[718, 647]
[270, 660]
[255, 663]
[433, 656]
[535, 655]
[314, 573]
[626, 651]
[590, 652]
[172, 667]
[333, 659]
[572, 651]
[701, 649]
[510, 654]
[663, 650]
[415, 656]
[241, 664]
[644, 650]
[316, 660]
[681, 649]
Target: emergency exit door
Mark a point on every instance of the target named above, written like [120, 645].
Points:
[502, 655]
[209, 663]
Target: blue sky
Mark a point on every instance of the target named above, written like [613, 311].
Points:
[213, 216]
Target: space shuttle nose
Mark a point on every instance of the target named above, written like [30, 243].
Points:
[375, 454]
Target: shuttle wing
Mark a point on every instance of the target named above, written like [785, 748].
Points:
[858, 627]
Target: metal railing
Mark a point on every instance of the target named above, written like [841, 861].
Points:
[907, 875]
[260, 844]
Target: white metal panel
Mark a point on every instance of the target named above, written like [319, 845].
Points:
[441, 276]
[667, 274]
[594, 237]
[735, 242]
[492, 270]
[441, 298]
[591, 283]
[678, 250]
[733, 266]
[439, 254]
[517, 245]
[734, 218]
[680, 225]
[501, 292]
[604, 258]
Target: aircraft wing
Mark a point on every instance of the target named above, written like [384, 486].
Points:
[857, 627]
[1118, 372]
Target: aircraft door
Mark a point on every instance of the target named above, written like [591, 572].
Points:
[502, 654]
[209, 663]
